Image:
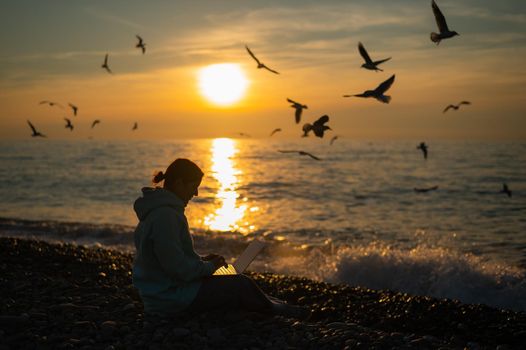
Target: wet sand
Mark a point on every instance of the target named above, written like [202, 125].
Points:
[67, 296]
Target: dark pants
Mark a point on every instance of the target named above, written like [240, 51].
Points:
[231, 292]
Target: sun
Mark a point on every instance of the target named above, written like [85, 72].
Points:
[222, 84]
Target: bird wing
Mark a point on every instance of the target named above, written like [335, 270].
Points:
[333, 139]
[322, 120]
[42, 102]
[464, 103]
[364, 53]
[287, 151]
[311, 155]
[68, 121]
[140, 39]
[297, 115]
[383, 87]
[32, 127]
[439, 17]
[381, 61]
[106, 60]
[448, 108]
[292, 101]
[251, 54]
[275, 131]
[271, 70]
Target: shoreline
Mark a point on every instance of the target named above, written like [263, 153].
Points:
[68, 296]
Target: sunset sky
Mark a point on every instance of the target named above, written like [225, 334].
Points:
[53, 50]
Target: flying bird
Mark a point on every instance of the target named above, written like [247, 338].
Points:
[135, 126]
[95, 122]
[422, 146]
[141, 44]
[260, 65]
[445, 33]
[275, 131]
[378, 93]
[302, 153]
[318, 127]
[68, 125]
[74, 108]
[299, 108]
[105, 64]
[455, 107]
[51, 103]
[334, 138]
[370, 64]
[35, 132]
[505, 189]
[422, 190]
[242, 134]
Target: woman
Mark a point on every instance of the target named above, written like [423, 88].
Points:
[168, 273]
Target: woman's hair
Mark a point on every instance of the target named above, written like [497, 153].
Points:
[180, 168]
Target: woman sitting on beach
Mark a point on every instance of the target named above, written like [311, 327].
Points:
[170, 276]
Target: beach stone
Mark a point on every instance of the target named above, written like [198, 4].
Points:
[108, 327]
[129, 307]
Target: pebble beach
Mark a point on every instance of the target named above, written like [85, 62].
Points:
[65, 296]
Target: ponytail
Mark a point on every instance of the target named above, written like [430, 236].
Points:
[158, 177]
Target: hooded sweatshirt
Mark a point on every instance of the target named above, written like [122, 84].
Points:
[166, 270]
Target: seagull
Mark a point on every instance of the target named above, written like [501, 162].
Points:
[74, 108]
[334, 138]
[135, 126]
[423, 147]
[68, 125]
[302, 153]
[275, 131]
[260, 65]
[445, 33]
[35, 132]
[421, 190]
[378, 93]
[317, 127]
[141, 44]
[51, 103]
[105, 65]
[95, 122]
[370, 64]
[505, 189]
[299, 108]
[455, 107]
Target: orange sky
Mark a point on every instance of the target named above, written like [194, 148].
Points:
[313, 46]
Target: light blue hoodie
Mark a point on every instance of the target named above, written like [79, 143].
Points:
[166, 270]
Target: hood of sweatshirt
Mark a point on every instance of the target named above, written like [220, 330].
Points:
[153, 198]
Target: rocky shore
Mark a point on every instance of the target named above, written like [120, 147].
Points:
[62, 296]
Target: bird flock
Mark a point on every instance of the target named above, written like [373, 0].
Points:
[319, 126]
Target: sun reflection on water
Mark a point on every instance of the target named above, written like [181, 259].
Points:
[228, 216]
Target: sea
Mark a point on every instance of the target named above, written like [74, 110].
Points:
[352, 217]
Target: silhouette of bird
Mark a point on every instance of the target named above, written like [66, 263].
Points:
[505, 189]
[275, 131]
[455, 107]
[422, 146]
[74, 108]
[370, 64]
[302, 153]
[35, 132]
[105, 64]
[445, 33]
[378, 93]
[421, 190]
[242, 134]
[135, 126]
[68, 124]
[317, 127]
[51, 103]
[95, 122]
[299, 108]
[260, 65]
[334, 138]
[141, 44]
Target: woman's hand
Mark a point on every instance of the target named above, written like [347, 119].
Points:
[218, 261]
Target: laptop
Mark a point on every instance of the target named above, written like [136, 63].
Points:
[242, 262]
